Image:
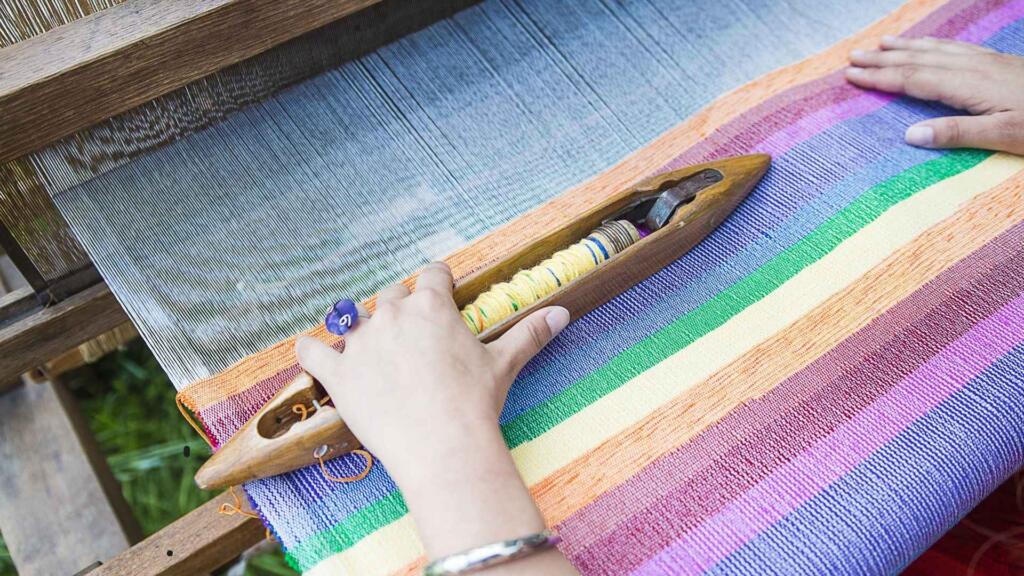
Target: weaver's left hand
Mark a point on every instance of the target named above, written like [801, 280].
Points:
[985, 83]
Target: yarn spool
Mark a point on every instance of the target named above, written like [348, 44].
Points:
[504, 299]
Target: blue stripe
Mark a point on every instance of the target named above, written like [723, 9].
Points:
[799, 194]
[881, 515]
[796, 196]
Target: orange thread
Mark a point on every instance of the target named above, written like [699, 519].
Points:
[346, 479]
[236, 508]
[191, 422]
[303, 411]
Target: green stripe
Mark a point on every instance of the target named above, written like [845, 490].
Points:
[343, 535]
[718, 310]
[670, 339]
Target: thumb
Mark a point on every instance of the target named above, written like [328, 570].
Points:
[524, 340]
[321, 361]
[1003, 131]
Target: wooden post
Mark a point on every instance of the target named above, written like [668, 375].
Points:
[60, 507]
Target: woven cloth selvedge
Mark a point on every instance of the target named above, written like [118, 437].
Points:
[823, 386]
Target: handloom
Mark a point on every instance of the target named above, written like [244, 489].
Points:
[825, 385]
[616, 244]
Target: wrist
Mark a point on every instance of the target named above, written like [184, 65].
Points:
[433, 452]
[468, 494]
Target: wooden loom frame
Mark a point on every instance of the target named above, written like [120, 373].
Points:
[82, 73]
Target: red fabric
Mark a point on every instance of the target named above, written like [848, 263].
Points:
[988, 542]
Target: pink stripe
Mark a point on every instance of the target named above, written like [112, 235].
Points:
[700, 467]
[748, 130]
[821, 120]
[993, 22]
[953, 18]
[827, 461]
[226, 417]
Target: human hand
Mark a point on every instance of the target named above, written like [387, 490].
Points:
[424, 395]
[986, 83]
[414, 380]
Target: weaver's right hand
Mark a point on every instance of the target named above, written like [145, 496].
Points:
[987, 84]
[424, 395]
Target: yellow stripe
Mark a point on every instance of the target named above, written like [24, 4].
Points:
[634, 400]
[763, 367]
[646, 161]
[385, 551]
[396, 546]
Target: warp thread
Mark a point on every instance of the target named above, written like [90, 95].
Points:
[504, 299]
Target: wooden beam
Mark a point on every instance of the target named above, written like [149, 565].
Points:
[196, 543]
[75, 75]
[91, 351]
[17, 303]
[46, 334]
[60, 507]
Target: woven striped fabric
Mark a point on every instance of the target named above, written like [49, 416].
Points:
[824, 385]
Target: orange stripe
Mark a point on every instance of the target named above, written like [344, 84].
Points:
[760, 369]
[414, 568]
[248, 371]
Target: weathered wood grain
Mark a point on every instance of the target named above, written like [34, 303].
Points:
[60, 508]
[273, 443]
[196, 543]
[75, 75]
[49, 332]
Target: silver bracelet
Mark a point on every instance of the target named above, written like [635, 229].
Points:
[491, 554]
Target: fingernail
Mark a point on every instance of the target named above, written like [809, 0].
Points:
[557, 319]
[856, 53]
[854, 72]
[923, 136]
[890, 38]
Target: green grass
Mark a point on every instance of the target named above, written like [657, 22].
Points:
[6, 565]
[129, 404]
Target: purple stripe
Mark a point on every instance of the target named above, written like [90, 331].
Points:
[759, 128]
[764, 120]
[821, 120]
[827, 461]
[754, 128]
[953, 18]
[993, 22]
[822, 396]
[878, 517]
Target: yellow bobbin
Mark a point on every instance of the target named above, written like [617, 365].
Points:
[525, 287]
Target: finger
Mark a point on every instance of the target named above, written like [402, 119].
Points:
[992, 132]
[436, 276]
[883, 58]
[363, 315]
[934, 44]
[393, 292]
[925, 82]
[524, 340]
[321, 361]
